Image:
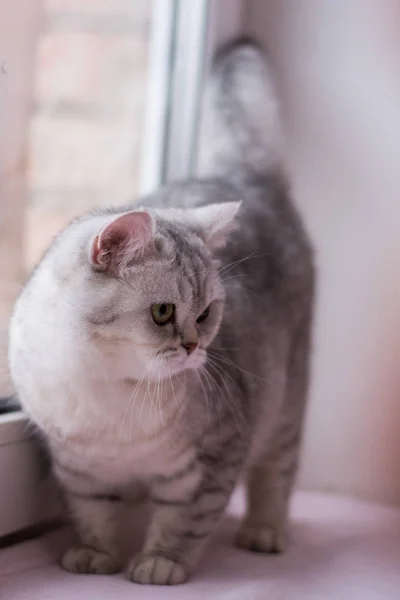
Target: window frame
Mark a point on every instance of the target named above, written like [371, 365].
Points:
[27, 498]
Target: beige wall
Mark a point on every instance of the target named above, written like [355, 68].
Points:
[337, 64]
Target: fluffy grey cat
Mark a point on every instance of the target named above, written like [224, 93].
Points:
[168, 346]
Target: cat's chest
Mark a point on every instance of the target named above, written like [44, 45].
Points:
[119, 464]
[128, 441]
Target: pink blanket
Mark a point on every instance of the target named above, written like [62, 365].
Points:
[340, 549]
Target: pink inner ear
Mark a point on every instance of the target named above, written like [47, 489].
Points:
[122, 240]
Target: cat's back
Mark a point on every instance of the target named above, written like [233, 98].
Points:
[270, 251]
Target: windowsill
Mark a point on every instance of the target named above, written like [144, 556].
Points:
[14, 427]
[27, 497]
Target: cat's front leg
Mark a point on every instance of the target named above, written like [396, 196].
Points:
[94, 518]
[186, 509]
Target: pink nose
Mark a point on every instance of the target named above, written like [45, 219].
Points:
[190, 347]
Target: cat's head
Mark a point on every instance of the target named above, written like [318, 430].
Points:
[154, 296]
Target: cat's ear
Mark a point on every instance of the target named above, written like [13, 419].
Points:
[216, 222]
[121, 241]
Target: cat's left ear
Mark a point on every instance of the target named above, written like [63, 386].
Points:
[125, 239]
[216, 222]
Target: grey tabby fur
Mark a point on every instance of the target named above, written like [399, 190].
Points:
[241, 411]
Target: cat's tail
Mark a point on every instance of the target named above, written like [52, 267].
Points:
[240, 126]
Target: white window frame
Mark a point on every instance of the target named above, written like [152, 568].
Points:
[169, 153]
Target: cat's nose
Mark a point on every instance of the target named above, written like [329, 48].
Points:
[190, 347]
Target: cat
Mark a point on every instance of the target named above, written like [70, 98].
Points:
[168, 346]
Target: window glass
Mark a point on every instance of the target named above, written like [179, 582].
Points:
[84, 134]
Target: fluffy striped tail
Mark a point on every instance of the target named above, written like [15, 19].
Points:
[240, 128]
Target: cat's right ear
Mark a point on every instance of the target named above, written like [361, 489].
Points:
[122, 241]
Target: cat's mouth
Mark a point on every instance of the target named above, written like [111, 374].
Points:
[178, 360]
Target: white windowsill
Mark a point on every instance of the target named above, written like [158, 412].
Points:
[13, 428]
[26, 496]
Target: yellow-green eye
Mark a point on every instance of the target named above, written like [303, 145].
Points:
[162, 313]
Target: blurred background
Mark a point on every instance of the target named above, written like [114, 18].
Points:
[84, 74]
[99, 102]
[86, 127]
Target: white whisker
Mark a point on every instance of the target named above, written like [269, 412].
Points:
[214, 397]
[128, 405]
[226, 268]
[230, 403]
[228, 362]
[150, 371]
[198, 375]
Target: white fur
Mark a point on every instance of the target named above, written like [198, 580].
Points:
[82, 390]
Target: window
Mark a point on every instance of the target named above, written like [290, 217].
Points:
[99, 103]
[84, 135]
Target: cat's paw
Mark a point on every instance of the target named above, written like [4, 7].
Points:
[156, 570]
[261, 539]
[87, 560]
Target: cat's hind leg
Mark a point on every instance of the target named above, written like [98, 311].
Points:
[271, 478]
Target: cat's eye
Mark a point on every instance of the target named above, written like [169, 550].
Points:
[203, 315]
[162, 313]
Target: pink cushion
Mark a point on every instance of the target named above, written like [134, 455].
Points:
[340, 549]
